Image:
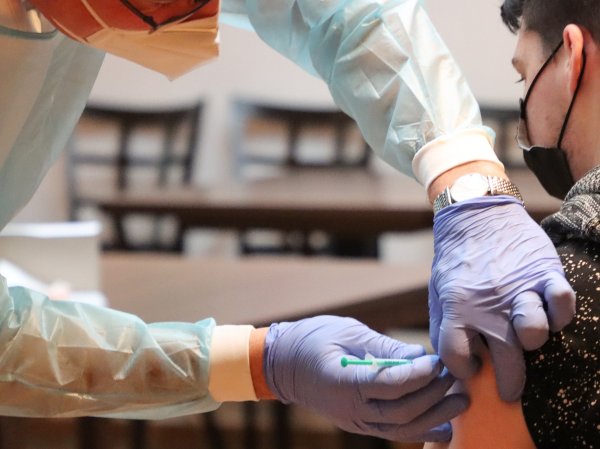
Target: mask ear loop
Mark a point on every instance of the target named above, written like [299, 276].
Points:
[564, 127]
[535, 80]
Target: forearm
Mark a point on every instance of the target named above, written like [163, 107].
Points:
[447, 178]
[257, 351]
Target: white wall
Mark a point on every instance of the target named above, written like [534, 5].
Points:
[247, 67]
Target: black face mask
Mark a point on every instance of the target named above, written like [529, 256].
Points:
[549, 165]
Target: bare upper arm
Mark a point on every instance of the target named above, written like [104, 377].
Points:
[489, 422]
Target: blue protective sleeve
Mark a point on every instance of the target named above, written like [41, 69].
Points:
[63, 359]
[383, 61]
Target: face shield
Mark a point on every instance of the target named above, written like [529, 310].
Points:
[169, 37]
[45, 80]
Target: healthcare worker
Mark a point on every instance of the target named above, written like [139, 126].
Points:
[61, 359]
[494, 273]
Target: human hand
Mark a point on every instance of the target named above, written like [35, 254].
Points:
[494, 274]
[403, 403]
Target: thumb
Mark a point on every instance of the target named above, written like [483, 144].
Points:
[435, 316]
[459, 349]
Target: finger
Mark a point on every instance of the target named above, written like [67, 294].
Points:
[435, 315]
[382, 346]
[397, 381]
[509, 366]
[407, 351]
[433, 425]
[409, 407]
[459, 349]
[561, 301]
[387, 347]
[529, 320]
[437, 434]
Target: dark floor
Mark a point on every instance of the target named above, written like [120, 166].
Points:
[308, 432]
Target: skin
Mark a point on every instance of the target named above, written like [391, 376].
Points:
[489, 422]
[550, 101]
[554, 91]
[257, 350]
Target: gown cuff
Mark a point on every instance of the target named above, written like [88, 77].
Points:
[230, 376]
[450, 151]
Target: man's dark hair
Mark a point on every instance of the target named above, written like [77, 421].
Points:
[548, 18]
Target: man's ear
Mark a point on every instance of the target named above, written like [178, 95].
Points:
[573, 40]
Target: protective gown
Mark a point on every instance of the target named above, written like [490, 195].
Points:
[385, 66]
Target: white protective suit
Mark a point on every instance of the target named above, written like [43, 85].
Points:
[385, 66]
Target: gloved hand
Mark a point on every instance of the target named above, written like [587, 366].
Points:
[494, 273]
[404, 403]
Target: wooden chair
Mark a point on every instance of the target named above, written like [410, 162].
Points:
[272, 140]
[116, 149]
[290, 137]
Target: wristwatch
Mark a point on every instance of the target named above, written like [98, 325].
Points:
[473, 185]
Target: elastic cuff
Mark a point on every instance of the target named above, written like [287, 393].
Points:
[450, 151]
[229, 377]
[257, 352]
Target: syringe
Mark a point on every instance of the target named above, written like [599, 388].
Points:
[374, 362]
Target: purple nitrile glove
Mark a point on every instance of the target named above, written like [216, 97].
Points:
[402, 403]
[494, 273]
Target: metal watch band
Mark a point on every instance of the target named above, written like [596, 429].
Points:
[501, 186]
[496, 186]
[442, 200]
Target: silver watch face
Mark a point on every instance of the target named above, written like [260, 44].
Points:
[469, 186]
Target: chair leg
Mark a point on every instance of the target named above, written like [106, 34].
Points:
[2, 427]
[87, 434]
[281, 419]
[367, 246]
[138, 436]
[352, 441]
[215, 436]
[120, 242]
[250, 434]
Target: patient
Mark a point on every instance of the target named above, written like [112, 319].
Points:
[560, 407]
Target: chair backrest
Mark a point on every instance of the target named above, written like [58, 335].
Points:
[504, 121]
[267, 138]
[272, 140]
[114, 149]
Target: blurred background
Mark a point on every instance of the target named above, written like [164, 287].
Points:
[249, 69]
[256, 171]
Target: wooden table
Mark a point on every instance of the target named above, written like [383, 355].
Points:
[344, 202]
[261, 290]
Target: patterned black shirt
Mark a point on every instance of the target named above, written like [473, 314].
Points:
[561, 402]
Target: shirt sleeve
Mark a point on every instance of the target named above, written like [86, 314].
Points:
[561, 401]
[387, 68]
